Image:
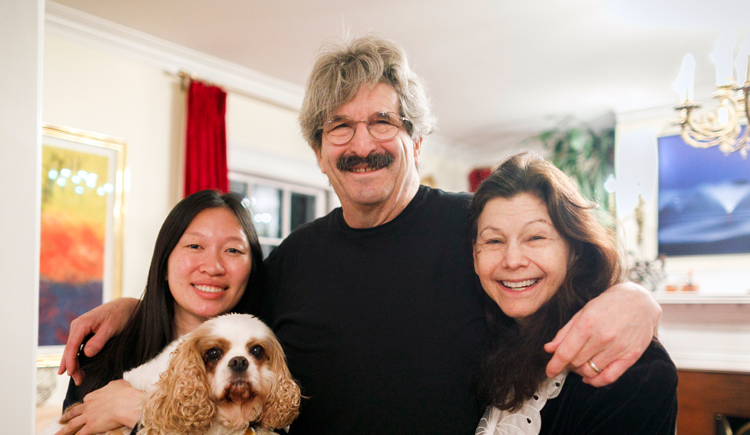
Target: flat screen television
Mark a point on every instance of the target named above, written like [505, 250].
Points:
[704, 200]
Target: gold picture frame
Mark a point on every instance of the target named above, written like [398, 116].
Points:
[83, 210]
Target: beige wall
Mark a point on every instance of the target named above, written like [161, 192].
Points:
[256, 124]
[265, 140]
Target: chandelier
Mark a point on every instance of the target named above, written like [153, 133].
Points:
[720, 125]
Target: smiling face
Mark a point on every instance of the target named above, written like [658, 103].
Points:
[519, 256]
[361, 188]
[209, 268]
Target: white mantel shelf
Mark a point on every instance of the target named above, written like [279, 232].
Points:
[700, 299]
[706, 332]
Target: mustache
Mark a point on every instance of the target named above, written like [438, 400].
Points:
[373, 161]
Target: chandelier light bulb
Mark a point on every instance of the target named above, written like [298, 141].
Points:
[685, 82]
[742, 63]
[723, 56]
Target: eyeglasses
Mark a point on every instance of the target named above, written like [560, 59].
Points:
[339, 130]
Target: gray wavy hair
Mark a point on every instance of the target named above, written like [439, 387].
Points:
[342, 68]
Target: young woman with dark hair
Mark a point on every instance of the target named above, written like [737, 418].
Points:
[541, 253]
[207, 260]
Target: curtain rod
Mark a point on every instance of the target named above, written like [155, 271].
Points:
[186, 77]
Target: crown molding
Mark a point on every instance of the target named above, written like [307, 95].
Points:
[74, 25]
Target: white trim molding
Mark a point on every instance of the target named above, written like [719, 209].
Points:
[72, 24]
[247, 159]
[707, 337]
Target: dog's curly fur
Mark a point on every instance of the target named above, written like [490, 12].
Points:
[181, 401]
[193, 389]
[196, 395]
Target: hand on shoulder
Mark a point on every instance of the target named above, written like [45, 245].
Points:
[612, 331]
[104, 321]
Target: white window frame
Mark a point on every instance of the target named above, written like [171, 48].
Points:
[323, 200]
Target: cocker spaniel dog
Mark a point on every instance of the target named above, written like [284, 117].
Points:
[227, 377]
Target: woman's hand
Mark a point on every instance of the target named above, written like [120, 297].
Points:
[115, 405]
[105, 321]
[612, 331]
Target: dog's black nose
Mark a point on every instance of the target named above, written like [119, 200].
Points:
[238, 364]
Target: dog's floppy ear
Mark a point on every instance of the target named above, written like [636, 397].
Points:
[181, 403]
[282, 403]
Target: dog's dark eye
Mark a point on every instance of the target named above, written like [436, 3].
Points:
[257, 351]
[213, 354]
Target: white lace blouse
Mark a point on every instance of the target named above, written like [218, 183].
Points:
[525, 421]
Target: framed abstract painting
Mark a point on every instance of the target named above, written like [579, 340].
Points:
[80, 264]
[704, 200]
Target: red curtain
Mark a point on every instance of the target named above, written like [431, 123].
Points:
[477, 176]
[206, 139]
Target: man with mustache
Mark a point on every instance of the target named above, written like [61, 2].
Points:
[377, 303]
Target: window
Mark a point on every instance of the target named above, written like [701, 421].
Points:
[279, 207]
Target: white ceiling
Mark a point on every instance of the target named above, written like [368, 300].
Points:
[497, 70]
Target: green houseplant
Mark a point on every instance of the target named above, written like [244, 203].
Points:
[587, 156]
